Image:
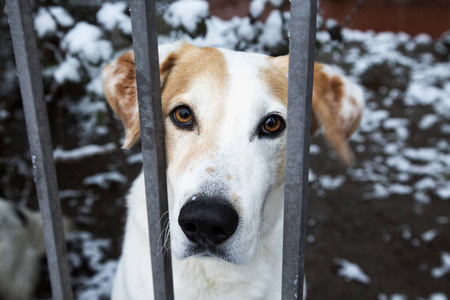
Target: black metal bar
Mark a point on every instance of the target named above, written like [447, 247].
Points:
[301, 73]
[31, 88]
[145, 43]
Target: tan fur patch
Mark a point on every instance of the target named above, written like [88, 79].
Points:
[328, 98]
[327, 102]
[207, 67]
[122, 94]
[276, 82]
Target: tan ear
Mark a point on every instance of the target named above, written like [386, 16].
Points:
[119, 84]
[337, 106]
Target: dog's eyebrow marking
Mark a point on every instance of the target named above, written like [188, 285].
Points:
[275, 81]
[195, 69]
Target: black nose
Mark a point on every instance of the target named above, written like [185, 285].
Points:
[208, 221]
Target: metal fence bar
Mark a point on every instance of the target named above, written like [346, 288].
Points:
[31, 88]
[301, 71]
[143, 18]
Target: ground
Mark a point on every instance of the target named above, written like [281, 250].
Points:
[377, 230]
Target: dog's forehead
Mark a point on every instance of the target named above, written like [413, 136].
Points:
[253, 78]
[208, 76]
[231, 82]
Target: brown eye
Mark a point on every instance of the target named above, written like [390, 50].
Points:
[272, 124]
[182, 117]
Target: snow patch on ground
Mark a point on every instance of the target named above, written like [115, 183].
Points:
[351, 271]
[82, 152]
[104, 180]
[99, 285]
[444, 269]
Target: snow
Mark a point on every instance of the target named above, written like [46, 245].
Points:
[104, 180]
[97, 52]
[187, 14]
[314, 149]
[444, 192]
[47, 20]
[99, 285]
[331, 23]
[82, 152]
[257, 8]
[443, 220]
[96, 86]
[438, 296]
[44, 23]
[83, 33]
[84, 40]
[276, 3]
[425, 184]
[428, 121]
[245, 31]
[272, 35]
[423, 38]
[134, 159]
[429, 235]
[111, 16]
[439, 272]
[62, 16]
[68, 70]
[351, 271]
[400, 189]
[330, 183]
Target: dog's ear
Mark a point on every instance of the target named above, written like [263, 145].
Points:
[337, 106]
[119, 84]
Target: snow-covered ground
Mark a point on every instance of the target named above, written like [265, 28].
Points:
[377, 230]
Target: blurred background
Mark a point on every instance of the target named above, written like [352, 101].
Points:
[377, 230]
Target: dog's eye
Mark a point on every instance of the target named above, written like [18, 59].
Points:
[182, 116]
[272, 125]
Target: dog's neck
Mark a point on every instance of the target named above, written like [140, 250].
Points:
[210, 276]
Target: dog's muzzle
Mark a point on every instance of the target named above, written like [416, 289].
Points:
[208, 221]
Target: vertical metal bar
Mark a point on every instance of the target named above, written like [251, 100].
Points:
[27, 61]
[143, 18]
[301, 73]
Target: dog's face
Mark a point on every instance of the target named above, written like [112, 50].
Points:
[225, 131]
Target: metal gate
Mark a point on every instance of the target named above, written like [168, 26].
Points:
[301, 68]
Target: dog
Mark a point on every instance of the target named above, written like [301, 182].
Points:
[225, 133]
[21, 250]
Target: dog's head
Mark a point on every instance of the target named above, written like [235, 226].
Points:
[225, 132]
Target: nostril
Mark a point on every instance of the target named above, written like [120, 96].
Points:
[190, 227]
[217, 230]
